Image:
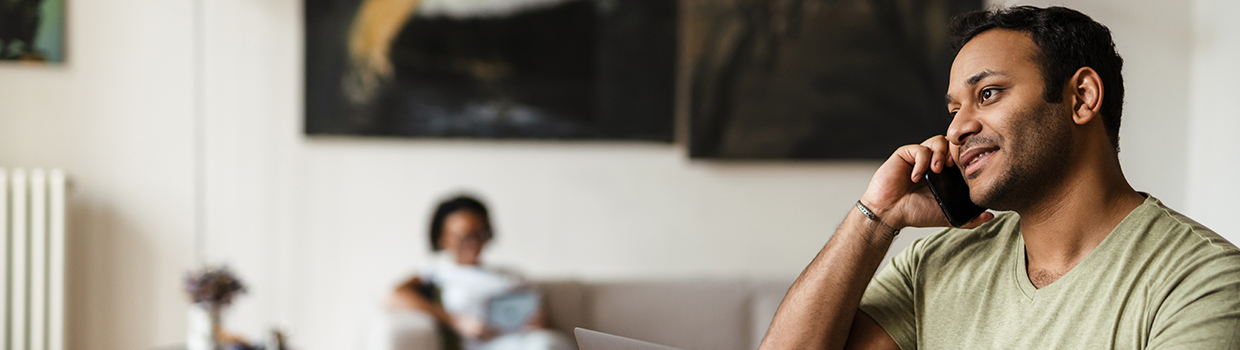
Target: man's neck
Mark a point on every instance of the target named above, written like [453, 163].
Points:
[1070, 221]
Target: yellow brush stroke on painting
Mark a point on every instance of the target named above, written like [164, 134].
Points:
[377, 23]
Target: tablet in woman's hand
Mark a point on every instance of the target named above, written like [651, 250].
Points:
[509, 312]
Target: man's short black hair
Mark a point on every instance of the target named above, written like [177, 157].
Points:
[1067, 40]
[453, 205]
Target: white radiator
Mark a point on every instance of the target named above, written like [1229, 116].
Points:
[32, 253]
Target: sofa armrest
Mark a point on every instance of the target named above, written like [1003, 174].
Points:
[390, 329]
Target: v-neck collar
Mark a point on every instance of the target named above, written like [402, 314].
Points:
[1022, 270]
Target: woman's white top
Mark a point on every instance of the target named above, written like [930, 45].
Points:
[465, 289]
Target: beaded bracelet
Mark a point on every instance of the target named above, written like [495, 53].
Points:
[869, 214]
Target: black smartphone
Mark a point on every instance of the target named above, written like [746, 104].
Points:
[952, 193]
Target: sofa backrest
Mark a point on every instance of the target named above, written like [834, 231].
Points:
[696, 314]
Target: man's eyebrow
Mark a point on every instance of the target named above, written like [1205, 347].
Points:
[973, 80]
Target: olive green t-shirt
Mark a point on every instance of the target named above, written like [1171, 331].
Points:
[1158, 281]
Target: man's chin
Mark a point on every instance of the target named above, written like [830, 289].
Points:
[978, 192]
[979, 199]
[985, 196]
[987, 192]
[995, 198]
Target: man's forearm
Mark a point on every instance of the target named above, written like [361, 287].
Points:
[818, 310]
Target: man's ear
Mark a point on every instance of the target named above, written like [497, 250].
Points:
[1084, 91]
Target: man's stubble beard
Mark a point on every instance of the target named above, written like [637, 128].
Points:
[1038, 155]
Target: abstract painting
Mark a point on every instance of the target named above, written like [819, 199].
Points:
[507, 69]
[816, 79]
[32, 30]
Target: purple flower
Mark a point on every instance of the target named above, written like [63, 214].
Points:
[214, 286]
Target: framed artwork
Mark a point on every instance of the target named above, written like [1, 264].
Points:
[511, 69]
[32, 30]
[816, 79]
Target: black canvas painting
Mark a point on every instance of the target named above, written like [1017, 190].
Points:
[559, 69]
[32, 30]
[817, 79]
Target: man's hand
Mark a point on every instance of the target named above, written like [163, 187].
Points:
[820, 309]
[900, 198]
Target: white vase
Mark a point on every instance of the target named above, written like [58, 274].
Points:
[204, 325]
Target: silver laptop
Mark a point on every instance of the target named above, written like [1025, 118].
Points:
[592, 340]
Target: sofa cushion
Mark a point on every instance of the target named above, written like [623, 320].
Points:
[567, 305]
[763, 302]
[704, 314]
[389, 329]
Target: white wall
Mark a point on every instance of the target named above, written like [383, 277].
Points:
[117, 117]
[321, 227]
[1213, 164]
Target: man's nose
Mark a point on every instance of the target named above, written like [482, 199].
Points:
[964, 124]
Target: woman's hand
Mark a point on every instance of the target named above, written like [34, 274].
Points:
[406, 297]
[472, 327]
[537, 321]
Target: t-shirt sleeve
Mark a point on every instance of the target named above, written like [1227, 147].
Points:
[427, 271]
[1202, 311]
[889, 297]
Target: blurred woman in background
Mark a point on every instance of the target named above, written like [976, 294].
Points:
[460, 293]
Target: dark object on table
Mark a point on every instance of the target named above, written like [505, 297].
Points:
[278, 341]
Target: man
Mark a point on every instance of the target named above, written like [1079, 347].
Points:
[1081, 261]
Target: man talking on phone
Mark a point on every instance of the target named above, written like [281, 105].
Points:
[1081, 260]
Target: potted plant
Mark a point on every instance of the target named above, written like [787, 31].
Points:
[210, 289]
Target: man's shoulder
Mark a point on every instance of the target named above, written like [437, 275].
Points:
[981, 244]
[1180, 247]
[1192, 272]
[1005, 226]
[1163, 223]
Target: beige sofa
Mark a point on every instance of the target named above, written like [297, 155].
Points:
[694, 314]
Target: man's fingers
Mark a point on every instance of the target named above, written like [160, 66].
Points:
[940, 154]
[979, 220]
[921, 157]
